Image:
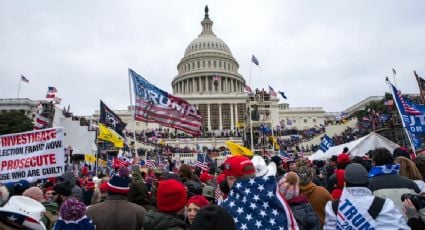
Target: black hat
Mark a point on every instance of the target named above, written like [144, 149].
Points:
[63, 189]
[277, 160]
[213, 217]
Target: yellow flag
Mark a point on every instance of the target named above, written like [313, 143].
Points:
[238, 150]
[90, 158]
[109, 135]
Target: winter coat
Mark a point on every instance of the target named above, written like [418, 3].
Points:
[393, 186]
[304, 213]
[138, 194]
[317, 196]
[116, 212]
[161, 221]
[389, 217]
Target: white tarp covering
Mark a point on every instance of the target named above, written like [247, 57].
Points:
[78, 137]
[357, 147]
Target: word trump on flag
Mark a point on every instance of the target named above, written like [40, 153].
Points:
[158, 106]
[38, 154]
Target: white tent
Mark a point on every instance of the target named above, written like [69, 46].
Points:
[357, 147]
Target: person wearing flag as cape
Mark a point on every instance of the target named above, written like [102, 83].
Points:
[358, 208]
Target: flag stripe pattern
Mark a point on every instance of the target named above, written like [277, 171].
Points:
[255, 204]
[41, 122]
[407, 108]
[156, 105]
[285, 156]
[248, 89]
[272, 92]
[202, 165]
[151, 164]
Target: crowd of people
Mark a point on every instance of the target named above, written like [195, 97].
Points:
[382, 190]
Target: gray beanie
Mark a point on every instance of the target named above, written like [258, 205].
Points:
[356, 174]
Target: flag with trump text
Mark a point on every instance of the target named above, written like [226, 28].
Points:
[110, 119]
[256, 204]
[413, 115]
[326, 143]
[156, 105]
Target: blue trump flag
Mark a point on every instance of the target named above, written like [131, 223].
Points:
[256, 204]
[327, 142]
[156, 105]
[412, 114]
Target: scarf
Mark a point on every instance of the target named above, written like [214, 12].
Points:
[383, 170]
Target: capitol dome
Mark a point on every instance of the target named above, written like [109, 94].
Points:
[208, 66]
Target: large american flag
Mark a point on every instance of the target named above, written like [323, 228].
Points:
[285, 156]
[256, 204]
[158, 106]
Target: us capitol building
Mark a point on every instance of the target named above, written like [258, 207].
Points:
[208, 78]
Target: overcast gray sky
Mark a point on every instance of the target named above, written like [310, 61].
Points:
[321, 53]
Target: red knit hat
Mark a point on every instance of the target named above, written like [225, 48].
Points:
[171, 196]
[204, 177]
[238, 166]
[343, 159]
[198, 200]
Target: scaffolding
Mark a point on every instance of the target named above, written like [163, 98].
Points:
[258, 127]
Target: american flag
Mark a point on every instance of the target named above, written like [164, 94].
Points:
[248, 89]
[150, 164]
[272, 92]
[51, 89]
[407, 108]
[202, 165]
[256, 204]
[40, 122]
[218, 195]
[157, 106]
[285, 156]
[255, 60]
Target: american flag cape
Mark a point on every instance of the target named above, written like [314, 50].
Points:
[256, 204]
[157, 106]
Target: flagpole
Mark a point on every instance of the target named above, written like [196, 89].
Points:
[402, 120]
[250, 71]
[420, 88]
[132, 111]
[19, 87]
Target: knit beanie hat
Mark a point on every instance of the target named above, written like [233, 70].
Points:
[72, 210]
[171, 196]
[73, 216]
[120, 182]
[63, 189]
[401, 152]
[356, 174]
[343, 160]
[35, 193]
[213, 217]
[205, 176]
[198, 200]
[238, 166]
[289, 185]
[305, 174]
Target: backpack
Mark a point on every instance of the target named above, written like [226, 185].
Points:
[374, 209]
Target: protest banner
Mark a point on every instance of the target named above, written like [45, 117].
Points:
[38, 154]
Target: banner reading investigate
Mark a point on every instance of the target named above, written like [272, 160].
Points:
[37, 154]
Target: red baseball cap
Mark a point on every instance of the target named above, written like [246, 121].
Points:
[238, 166]
[204, 177]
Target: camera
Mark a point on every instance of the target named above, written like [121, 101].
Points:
[417, 200]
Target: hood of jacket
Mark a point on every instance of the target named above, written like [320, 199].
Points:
[158, 221]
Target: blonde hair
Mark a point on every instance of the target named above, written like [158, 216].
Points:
[408, 168]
